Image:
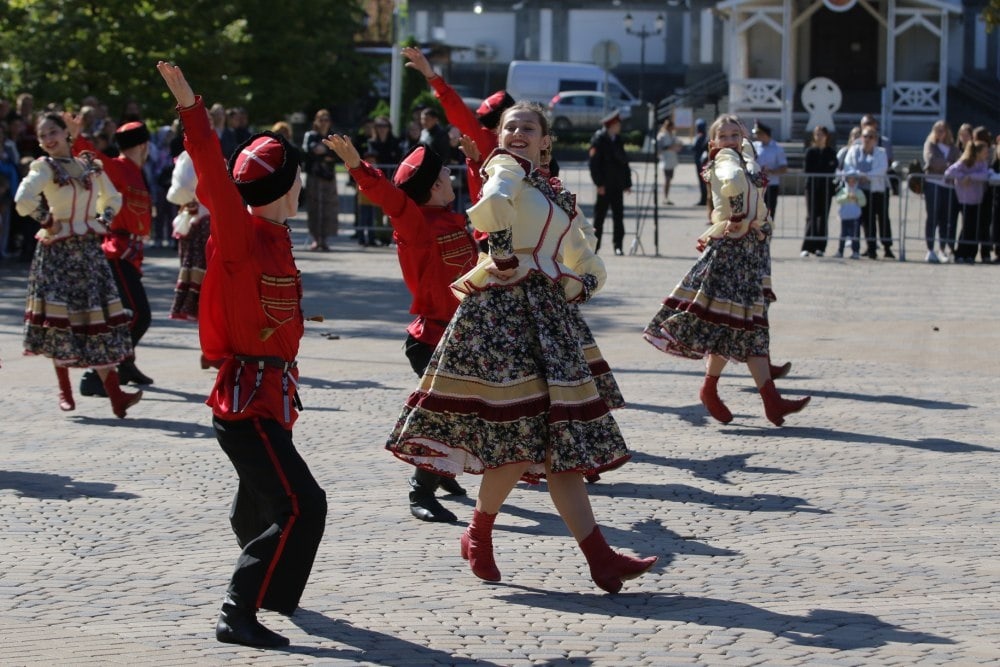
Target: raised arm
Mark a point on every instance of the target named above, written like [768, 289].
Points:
[178, 85]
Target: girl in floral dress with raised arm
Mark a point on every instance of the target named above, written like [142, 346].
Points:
[508, 392]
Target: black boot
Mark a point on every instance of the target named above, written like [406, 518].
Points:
[450, 486]
[92, 385]
[128, 373]
[239, 625]
[423, 504]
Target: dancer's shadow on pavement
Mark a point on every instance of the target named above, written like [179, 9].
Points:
[887, 399]
[827, 628]
[683, 493]
[941, 445]
[648, 536]
[716, 469]
[172, 428]
[369, 646]
[50, 486]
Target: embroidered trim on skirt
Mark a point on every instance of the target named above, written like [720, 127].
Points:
[187, 293]
[720, 306]
[509, 383]
[74, 313]
[607, 386]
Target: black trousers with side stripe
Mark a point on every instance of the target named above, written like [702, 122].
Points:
[278, 514]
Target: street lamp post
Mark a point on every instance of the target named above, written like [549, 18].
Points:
[642, 33]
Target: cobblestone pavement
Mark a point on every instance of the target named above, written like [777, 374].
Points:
[863, 532]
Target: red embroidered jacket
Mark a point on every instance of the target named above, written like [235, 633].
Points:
[134, 220]
[251, 295]
[434, 248]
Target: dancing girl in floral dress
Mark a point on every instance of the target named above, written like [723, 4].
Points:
[508, 392]
[719, 309]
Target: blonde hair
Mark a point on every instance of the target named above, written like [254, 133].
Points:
[948, 139]
[726, 119]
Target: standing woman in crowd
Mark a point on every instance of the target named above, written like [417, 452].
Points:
[993, 196]
[820, 166]
[508, 392]
[322, 203]
[719, 309]
[74, 314]
[668, 147]
[939, 153]
[970, 175]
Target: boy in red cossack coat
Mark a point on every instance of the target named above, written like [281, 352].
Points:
[434, 248]
[250, 317]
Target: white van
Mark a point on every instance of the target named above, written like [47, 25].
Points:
[541, 81]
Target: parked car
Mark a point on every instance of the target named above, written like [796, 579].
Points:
[583, 109]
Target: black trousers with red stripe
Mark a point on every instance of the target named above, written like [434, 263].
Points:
[133, 294]
[278, 514]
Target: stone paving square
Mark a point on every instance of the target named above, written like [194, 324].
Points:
[863, 532]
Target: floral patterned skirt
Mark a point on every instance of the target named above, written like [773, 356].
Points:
[509, 383]
[607, 386]
[720, 306]
[192, 254]
[73, 313]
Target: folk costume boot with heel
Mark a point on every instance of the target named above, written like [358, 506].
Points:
[128, 373]
[778, 372]
[66, 402]
[776, 407]
[477, 546]
[710, 399]
[423, 504]
[239, 625]
[120, 400]
[608, 568]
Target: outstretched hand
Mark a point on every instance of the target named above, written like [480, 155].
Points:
[74, 123]
[177, 84]
[344, 148]
[418, 61]
[470, 148]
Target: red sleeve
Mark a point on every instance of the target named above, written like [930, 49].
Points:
[405, 216]
[462, 117]
[232, 233]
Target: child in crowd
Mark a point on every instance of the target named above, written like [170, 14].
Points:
[850, 200]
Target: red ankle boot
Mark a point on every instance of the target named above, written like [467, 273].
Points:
[709, 396]
[609, 568]
[776, 407]
[477, 546]
[66, 402]
[778, 372]
[120, 400]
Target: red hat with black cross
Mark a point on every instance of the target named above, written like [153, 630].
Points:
[264, 167]
[492, 108]
[417, 173]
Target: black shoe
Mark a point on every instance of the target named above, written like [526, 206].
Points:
[426, 507]
[888, 254]
[127, 372]
[240, 626]
[451, 486]
[871, 254]
[92, 385]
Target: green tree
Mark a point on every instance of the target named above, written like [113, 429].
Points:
[991, 14]
[239, 53]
